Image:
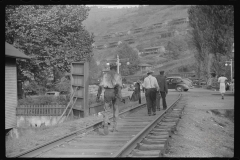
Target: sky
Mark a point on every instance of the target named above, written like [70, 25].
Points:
[114, 6]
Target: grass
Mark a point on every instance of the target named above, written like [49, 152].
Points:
[228, 113]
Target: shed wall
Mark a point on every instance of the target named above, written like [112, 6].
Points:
[10, 93]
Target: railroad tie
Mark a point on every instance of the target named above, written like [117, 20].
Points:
[150, 144]
[167, 123]
[156, 133]
[151, 147]
[172, 128]
[171, 115]
[137, 153]
[157, 137]
[169, 119]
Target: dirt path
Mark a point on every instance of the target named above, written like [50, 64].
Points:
[206, 128]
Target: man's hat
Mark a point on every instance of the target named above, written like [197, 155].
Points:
[150, 71]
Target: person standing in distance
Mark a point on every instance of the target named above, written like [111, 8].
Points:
[137, 92]
[222, 88]
[151, 88]
[163, 89]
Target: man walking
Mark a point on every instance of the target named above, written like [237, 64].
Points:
[151, 88]
[112, 83]
[161, 79]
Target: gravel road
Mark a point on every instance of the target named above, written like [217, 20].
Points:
[207, 126]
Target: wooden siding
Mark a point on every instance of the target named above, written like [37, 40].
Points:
[80, 77]
[10, 93]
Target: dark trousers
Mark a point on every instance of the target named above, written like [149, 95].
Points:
[158, 98]
[163, 95]
[151, 100]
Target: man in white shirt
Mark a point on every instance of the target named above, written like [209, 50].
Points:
[151, 87]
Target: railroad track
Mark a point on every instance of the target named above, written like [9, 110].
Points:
[134, 127]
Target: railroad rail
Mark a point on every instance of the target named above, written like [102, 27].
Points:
[88, 142]
[152, 141]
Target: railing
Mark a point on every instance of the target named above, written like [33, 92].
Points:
[40, 110]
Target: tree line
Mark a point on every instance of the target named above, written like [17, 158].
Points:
[212, 37]
[51, 35]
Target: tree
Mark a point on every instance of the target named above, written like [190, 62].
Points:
[52, 35]
[94, 69]
[126, 51]
[173, 50]
[212, 32]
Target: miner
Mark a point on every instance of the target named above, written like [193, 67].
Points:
[111, 82]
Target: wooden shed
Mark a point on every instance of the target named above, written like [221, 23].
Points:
[144, 67]
[11, 100]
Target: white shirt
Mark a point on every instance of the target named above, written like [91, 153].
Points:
[150, 82]
[222, 79]
[111, 81]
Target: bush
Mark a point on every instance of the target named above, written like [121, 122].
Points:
[45, 100]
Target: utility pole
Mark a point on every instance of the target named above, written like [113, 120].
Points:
[231, 68]
[231, 63]
[117, 64]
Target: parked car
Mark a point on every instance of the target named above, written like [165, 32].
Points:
[188, 82]
[177, 83]
[199, 82]
[52, 93]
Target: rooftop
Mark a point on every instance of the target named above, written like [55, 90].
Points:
[11, 51]
[145, 65]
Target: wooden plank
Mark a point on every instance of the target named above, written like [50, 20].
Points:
[10, 93]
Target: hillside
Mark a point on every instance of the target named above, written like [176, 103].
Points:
[113, 25]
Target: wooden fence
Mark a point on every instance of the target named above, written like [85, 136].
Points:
[40, 110]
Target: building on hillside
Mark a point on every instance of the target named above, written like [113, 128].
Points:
[100, 46]
[178, 21]
[154, 50]
[113, 44]
[11, 80]
[144, 67]
[112, 35]
[167, 34]
[137, 30]
[157, 25]
[106, 36]
[129, 41]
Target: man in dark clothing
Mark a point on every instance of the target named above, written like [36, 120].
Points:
[163, 89]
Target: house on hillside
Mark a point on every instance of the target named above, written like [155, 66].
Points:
[154, 50]
[144, 67]
[157, 25]
[11, 80]
[137, 30]
[100, 46]
[113, 44]
[129, 41]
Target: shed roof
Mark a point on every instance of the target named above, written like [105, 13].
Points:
[11, 51]
[153, 47]
[145, 65]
